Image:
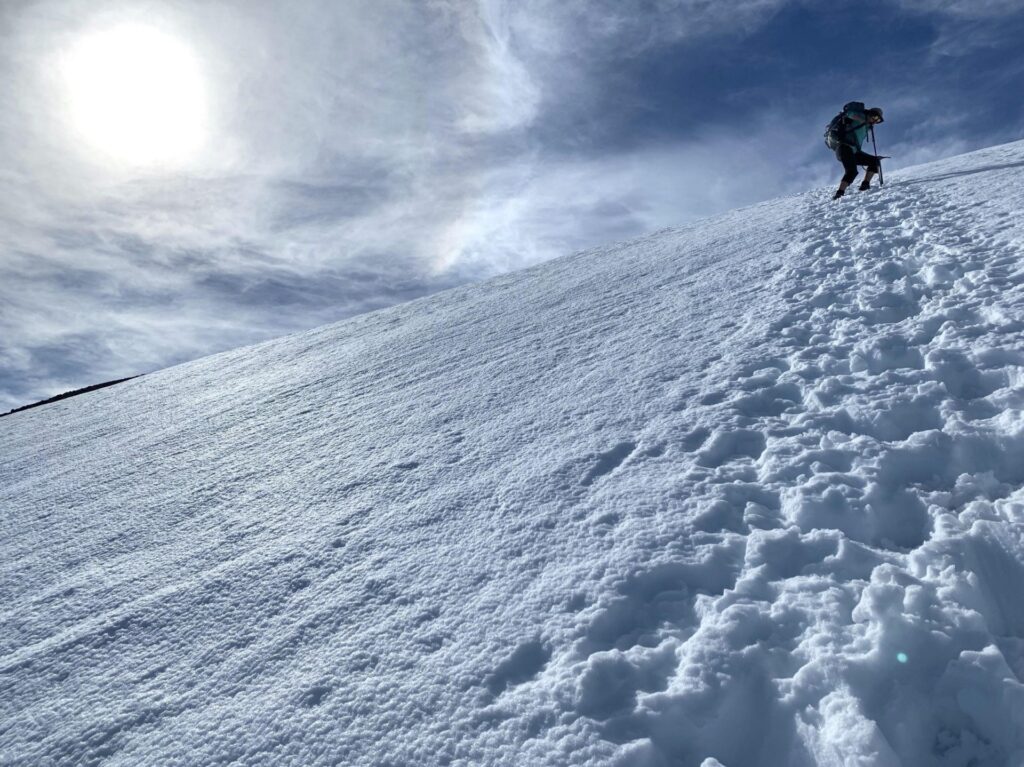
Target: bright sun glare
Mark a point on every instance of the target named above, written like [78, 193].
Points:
[136, 95]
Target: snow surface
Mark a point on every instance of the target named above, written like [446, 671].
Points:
[749, 492]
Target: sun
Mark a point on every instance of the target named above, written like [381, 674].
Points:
[135, 95]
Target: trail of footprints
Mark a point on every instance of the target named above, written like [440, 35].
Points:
[890, 402]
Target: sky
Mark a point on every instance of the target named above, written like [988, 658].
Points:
[181, 178]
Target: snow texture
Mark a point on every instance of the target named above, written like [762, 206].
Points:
[749, 492]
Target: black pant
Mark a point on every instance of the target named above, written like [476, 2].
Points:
[851, 158]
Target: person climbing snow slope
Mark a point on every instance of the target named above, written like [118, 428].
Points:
[845, 135]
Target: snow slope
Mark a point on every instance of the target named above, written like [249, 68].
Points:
[749, 491]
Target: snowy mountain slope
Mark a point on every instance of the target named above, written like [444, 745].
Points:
[747, 491]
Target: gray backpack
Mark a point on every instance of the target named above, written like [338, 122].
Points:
[835, 130]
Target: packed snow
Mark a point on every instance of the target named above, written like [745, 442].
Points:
[749, 492]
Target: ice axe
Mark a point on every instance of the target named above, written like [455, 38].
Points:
[874, 146]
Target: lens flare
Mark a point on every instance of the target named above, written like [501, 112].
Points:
[902, 657]
[136, 95]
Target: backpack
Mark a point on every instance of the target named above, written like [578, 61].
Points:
[836, 129]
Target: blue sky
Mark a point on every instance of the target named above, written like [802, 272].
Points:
[358, 153]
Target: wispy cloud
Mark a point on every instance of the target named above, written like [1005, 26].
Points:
[964, 8]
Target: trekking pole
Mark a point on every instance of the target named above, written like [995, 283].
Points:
[874, 145]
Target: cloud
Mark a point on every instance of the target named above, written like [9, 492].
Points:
[610, 28]
[561, 206]
[502, 95]
[964, 8]
[124, 286]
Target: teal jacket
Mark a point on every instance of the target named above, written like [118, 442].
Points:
[855, 128]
